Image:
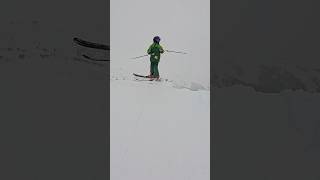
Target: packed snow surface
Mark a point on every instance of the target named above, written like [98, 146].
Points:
[159, 131]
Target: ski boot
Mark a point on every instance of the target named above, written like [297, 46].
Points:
[157, 78]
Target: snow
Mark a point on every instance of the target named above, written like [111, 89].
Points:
[267, 135]
[183, 25]
[158, 132]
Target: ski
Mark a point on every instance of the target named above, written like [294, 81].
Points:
[137, 79]
[138, 75]
[146, 78]
[93, 59]
[91, 44]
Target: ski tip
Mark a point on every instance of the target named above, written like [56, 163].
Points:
[86, 56]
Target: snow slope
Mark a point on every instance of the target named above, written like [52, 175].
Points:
[158, 131]
[265, 135]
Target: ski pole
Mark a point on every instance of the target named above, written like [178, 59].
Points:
[179, 52]
[140, 56]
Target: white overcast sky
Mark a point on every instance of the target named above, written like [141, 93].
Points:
[183, 25]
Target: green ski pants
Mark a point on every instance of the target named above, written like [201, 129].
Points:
[154, 71]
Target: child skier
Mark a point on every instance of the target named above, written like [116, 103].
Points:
[154, 51]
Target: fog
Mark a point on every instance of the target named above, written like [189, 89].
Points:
[183, 25]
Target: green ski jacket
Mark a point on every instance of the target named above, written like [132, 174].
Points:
[155, 50]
